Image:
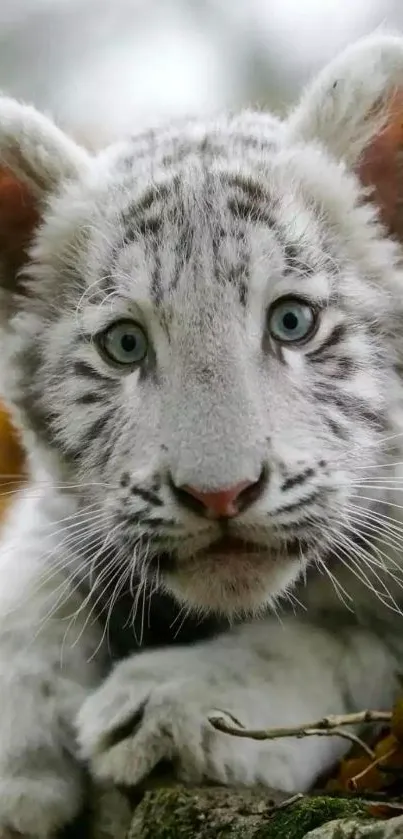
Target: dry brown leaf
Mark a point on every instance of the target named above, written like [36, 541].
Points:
[397, 720]
[359, 773]
[385, 809]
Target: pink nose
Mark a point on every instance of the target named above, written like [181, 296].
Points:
[222, 504]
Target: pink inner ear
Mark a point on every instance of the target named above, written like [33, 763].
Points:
[381, 166]
[18, 219]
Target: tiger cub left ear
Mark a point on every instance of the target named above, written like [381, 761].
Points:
[355, 109]
[35, 158]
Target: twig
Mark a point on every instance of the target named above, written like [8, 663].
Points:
[331, 725]
[287, 802]
[339, 732]
[352, 783]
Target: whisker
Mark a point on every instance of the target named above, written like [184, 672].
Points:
[373, 558]
[363, 518]
[386, 465]
[341, 592]
[348, 549]
[383, 519]
[384, 501]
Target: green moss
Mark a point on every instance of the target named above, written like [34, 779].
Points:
[296, 821]
[229, 814]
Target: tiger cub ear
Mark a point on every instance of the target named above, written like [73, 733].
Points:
[35, 157]
[355, 109]
[19, 216]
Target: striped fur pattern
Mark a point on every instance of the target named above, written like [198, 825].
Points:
[194, 233]
[197, 258]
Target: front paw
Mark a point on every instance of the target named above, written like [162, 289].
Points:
[156, 707]
[140, 717]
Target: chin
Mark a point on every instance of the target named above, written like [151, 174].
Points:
[235, 586]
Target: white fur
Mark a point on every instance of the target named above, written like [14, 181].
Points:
[350, 93]
[44, 674]
[35, 149]
[262, 675]
[53, 657]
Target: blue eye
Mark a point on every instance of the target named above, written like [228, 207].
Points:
[125, 342]
[291, 320]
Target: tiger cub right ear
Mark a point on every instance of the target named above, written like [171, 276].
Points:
[354, 108]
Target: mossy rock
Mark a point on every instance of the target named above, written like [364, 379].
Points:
[358, 829]
[232, 814]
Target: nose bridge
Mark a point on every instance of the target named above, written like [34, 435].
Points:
[214, 434]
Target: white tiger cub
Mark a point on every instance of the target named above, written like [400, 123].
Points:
[201, 330]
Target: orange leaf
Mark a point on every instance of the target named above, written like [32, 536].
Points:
[361, 774]
[397, 720]
[385, 810]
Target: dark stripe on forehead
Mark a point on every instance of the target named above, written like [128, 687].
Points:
[152, 194]
[250, 211]
[294, 257]
[156, 290]
[183, 252]
[150, 226]
[253, 203]
[252, 190]
[216, 239]
[239, 276]
[140, 221]
[237, 272]
[243, 293]
[135, 220]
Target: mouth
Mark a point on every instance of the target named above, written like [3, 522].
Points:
[231, 546]
[232, 575]
[227, 552]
